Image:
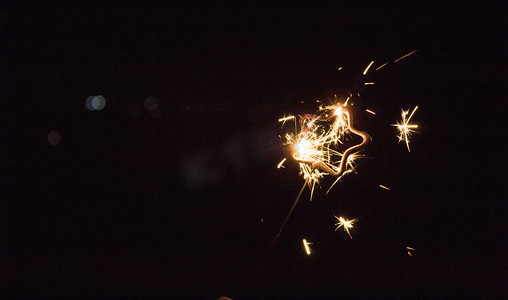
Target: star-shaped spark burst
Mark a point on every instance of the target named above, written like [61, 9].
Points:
[405, 129]
[315, 146]
[347, 224]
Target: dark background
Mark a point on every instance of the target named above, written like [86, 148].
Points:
[185, 199]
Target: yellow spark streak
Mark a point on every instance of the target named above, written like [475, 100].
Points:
[370, 111]
[407, 55]
[280, 164]
[286, 118]
[409, 248]
[347, 224]
[381, 66]
[367, 69]
[405, 129]
[384, 187]
[369, 83]
[340, 68]
[306, 246]
[283, 120]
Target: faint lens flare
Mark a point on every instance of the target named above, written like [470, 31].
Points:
[306, 246]
[347, 224]
[406, 129]
[315, 147]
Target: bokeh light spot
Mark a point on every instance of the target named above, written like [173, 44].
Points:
[98, 102]
[151, 103]
[89, 103]
[54, 137]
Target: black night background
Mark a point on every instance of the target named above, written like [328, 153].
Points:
[171, 189]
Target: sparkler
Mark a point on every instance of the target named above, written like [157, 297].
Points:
[316, 148]
[347, 224]
[405, 129]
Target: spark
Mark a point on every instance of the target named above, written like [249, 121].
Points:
[340, 68]
[369, 83]
[280, 165]
[409, 248]
[367, 69]
[283, 120]
[370, 111]
[347, 224]
[306, 246]
[405, 129]
[384, 187]
[407, 55]
[381, 66]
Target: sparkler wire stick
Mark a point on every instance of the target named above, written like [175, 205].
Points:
[251, 277]
[286, 219]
